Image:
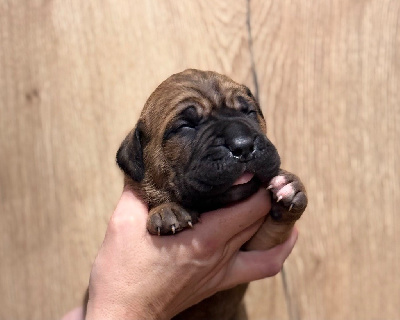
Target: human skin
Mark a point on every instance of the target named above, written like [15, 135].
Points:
[140, 276]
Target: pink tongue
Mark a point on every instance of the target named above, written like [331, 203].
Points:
[244, 178]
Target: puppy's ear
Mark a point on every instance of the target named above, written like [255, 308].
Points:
[130, 154]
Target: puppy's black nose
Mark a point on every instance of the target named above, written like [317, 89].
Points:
[242, 147]
[240, 140]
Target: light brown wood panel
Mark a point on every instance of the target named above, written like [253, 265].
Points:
[73, 78]
[329, 78]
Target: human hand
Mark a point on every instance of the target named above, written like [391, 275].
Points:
[140, 276]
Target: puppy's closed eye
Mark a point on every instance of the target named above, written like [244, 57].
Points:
[186, 122]
[246, 107]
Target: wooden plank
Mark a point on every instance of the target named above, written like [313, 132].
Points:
[329, 78]
[265, 299]
[74, 76]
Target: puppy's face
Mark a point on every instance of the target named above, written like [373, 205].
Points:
[199, 132]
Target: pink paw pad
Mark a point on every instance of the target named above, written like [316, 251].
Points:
[289, 195]
[286, 191]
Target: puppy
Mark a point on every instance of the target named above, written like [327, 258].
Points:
[200, 144]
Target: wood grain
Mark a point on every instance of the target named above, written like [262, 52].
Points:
[329, 78]
[74, 77]
[75, 74]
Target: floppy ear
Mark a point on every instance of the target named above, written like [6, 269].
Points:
[130, 154]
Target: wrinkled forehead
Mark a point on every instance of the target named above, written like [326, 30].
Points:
[204, 90]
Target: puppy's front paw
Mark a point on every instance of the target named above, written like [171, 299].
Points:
[289, 197]
[169, 218]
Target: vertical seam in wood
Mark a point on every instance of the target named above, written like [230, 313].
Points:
[250, 39]
[289, 305]
[293, 315]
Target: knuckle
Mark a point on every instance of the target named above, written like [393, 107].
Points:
[120, 221]
[205, 248]
[274, 268]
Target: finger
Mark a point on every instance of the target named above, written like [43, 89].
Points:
[129, 215]
[238, 240]
[235, 218]
[254, 265]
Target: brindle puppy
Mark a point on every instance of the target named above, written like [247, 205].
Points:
[200, 144]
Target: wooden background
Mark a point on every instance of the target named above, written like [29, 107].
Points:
[75, 74]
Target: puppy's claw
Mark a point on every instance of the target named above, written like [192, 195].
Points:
[279, 198]
[269, 187]
[173, 229]
[158, 231]
[190, 224]
[291, 207]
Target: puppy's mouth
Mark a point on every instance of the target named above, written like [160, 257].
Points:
[244, 178]
[245, 186]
